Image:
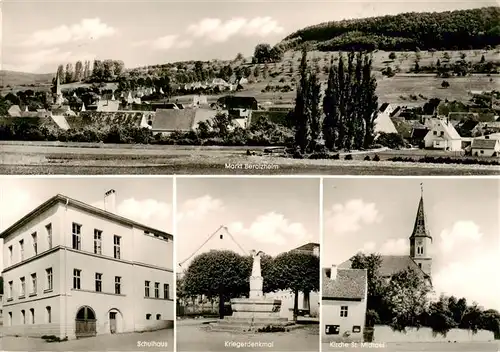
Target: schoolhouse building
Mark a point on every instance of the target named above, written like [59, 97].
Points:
[75, 270]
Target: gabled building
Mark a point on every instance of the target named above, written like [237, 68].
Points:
[442, 135]
[383, 122]
[486, 146]
[344, 295]
[419, 259]
[71, 269]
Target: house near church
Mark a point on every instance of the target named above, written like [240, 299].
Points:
[71, 269]
[344, 295]
[167, 121]
[419, 259]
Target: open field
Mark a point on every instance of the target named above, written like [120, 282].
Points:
[422, 346]
[75, 158]
[393, 90]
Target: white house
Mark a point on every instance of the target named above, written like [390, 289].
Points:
[442, 135]
[486, 146]
[71, 269]
[343, 304]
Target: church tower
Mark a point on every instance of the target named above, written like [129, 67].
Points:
[58, 97]
[421, 240]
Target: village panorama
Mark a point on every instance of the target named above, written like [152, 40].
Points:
[342, 97]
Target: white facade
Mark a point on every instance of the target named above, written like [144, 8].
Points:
[442, 135]
[71, 269]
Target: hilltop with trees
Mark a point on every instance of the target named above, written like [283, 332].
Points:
[451, 30]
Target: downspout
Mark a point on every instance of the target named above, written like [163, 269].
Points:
[65, 273]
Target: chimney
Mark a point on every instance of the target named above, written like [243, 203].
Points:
[333, 272]
[110, 201]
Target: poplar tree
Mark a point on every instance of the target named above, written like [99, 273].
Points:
[313, 103]
[301, 113]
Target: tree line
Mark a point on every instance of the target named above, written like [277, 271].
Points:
[99, 71]
[349, 105]
[404, 302]
[221, 275]
[450, 30]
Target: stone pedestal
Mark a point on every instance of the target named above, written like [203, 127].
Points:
[256, 285]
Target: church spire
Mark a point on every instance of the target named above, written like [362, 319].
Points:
[420, 227]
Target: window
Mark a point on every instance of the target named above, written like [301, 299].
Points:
[10, 318]
[48, 228]
[435, 133]
[165, 291]
[146, 289]
[482, 151]
[442, 133]
[10, 255]
[116, 241]
[21, 249]
[157, 290]
[343, 311]
[23, 316]
[148, 316]
[356, 329]
[11, 289]
[32, 311]
[33, 283]
[48, 313]
[420, 265]
[332, 329]
[34, 239]
[77, 273]
[23, 287]
[76, 237]
[118, 285]
[98, 282]
[97, 241]
[158, 316]
[48, 284]
[221, 236]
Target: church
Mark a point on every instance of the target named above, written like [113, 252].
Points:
[419, 258]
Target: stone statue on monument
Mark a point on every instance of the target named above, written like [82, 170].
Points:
[256, 271]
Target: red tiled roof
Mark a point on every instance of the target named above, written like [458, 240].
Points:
[349, 284]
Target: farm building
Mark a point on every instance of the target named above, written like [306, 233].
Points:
[485, 128]
[343, 303]
[486, 146]
[442, 135]
[108, 105]
[71, 269]
[14, 111]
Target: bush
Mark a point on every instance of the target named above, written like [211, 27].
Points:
[348, 157]
[319, 155]
[367, 158]
[376, 158]
[336, 156]
[391, 140]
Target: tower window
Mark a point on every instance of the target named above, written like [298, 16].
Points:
[420, 265]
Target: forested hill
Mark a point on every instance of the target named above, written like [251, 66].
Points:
[451, 30]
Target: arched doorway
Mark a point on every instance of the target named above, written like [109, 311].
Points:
[115, 320]
[85, 322]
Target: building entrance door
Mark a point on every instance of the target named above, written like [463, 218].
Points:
[112, 322]
[85, 323]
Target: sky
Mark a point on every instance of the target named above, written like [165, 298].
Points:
[40, 35]
[145, 200]
[377, 216]
[272, 215]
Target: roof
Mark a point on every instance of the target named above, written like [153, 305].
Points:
[83, 206]
[391, 265]
[174, 120]
[234, 102]
[350, 284]
[419, 228]
[419, 132]
[307, 247]
[447, 127]
[383, 107]
[14, 111]
[483, 143]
